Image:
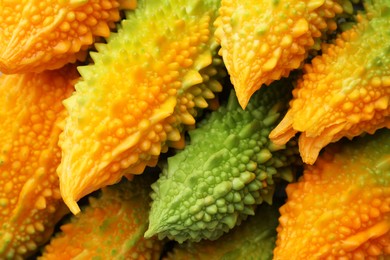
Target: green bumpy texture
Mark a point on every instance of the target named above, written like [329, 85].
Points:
[228, 169]
[253, 239]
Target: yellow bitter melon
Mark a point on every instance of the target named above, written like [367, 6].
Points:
[30, 202]
[146, 84]
[37, 35]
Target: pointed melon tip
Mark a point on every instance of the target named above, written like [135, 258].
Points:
[309, 148]
[284, 131]
[243, 100]
[244, 92]
[156, 226]
[69, 200]
[72, 205]
[150, 232]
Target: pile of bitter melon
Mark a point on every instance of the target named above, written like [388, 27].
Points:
[190, 129]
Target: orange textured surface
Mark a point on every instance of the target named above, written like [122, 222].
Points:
[117, 220]
[30, 200]
[262, 41]
[344, 92]
[340, 208]
[39, 35]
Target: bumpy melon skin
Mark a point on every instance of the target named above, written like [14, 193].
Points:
[262, 41]
[340, 208]
[36, 35]
[144, 89]
[228, 169]
[253, 239]
[351, 82]
[111, 226]
[31, 110]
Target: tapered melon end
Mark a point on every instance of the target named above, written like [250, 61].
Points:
[75, 186]
[71, 203]
[150, 232]
[284, 131]
[244, 92]
[310, 146]
[69, 182]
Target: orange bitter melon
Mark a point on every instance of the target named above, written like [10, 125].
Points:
[111, 227]
[340, 208]
[346, 91]
[30, 199]
[37, 35]
[262, 41]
